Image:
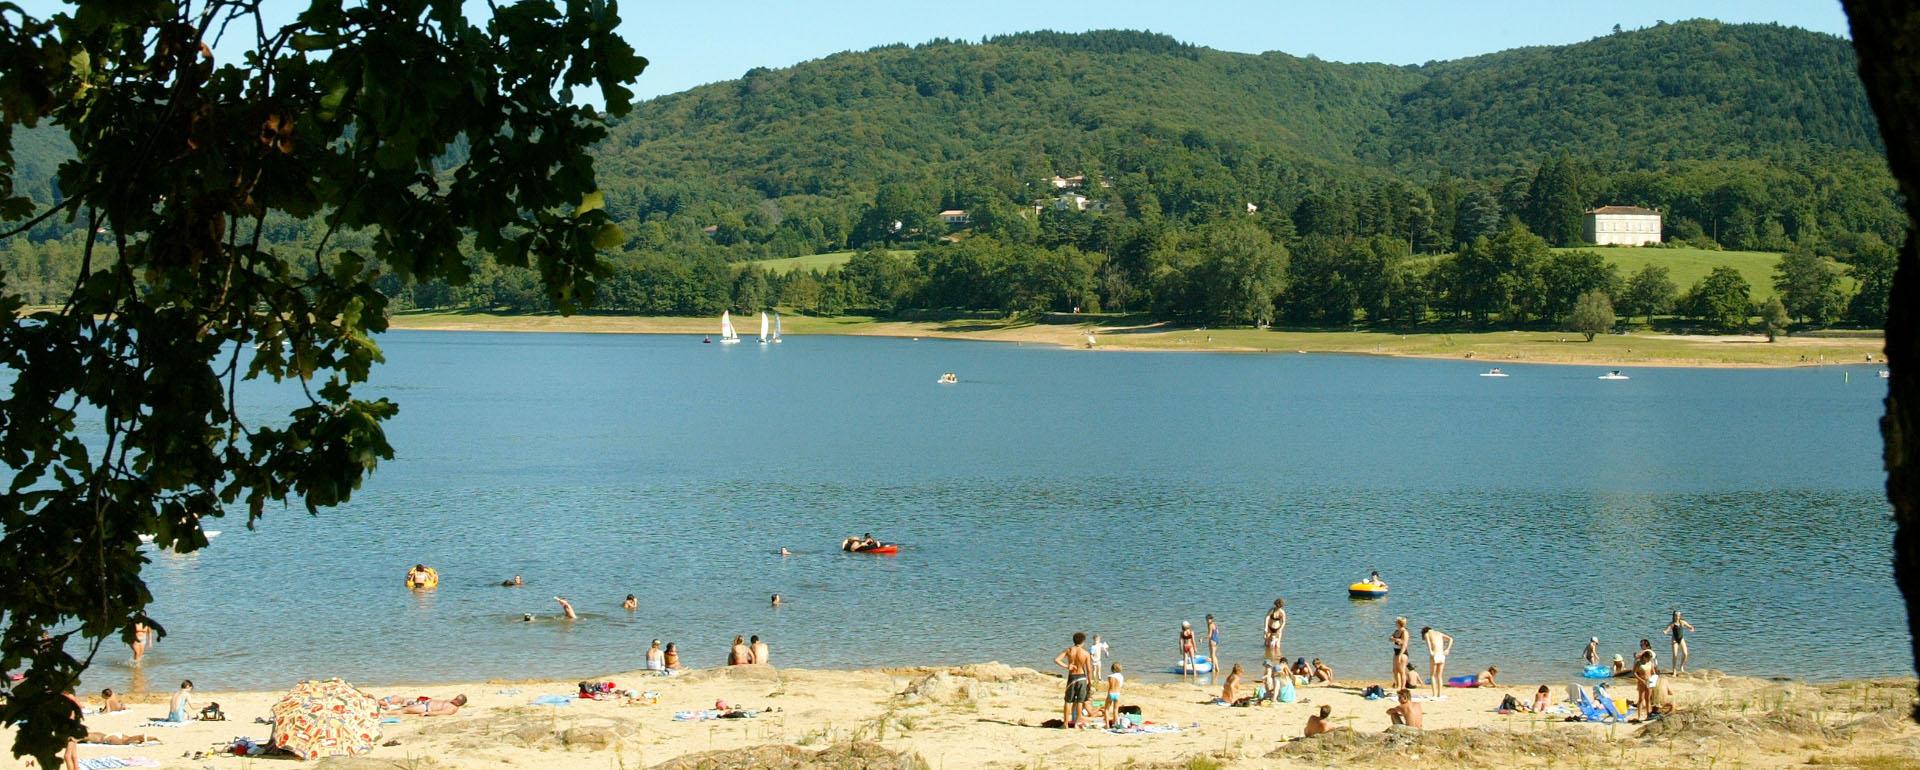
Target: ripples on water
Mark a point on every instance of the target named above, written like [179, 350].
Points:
[1052, 491]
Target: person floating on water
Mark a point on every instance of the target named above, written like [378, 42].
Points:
[862, 543]
[1373, 578]
[630, 604]
[516, 582]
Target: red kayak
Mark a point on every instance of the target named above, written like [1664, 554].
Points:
[881, 549]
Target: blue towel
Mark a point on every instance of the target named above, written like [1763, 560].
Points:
[553, 700]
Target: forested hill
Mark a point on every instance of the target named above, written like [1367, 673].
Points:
[1694, 90]
[1023, 106]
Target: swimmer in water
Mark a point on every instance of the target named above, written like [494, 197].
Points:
[776, 600]
[566, 609]
[785, 552]
[516, 582]
[630, 604]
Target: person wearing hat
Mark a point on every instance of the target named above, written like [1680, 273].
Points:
[1620, 667]
[1187, 652]
[1593, 651]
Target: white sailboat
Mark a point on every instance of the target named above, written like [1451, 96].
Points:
[727, 334]
[763, 327]
[776, 327]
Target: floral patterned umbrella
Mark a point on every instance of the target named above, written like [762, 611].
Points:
[326, 718]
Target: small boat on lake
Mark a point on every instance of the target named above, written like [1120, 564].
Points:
[727, 334]
[763, 327]
[949, 378]
[1884, 374]
[1614, 375]
[1494, 372]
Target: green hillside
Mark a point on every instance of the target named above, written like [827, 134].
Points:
[1689, 265]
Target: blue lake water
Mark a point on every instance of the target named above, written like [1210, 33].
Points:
[1050, 491]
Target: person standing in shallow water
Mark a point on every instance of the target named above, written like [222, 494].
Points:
[1213, 639]
[1592, 655]
[1079, 666]
[1678, 630]
[1187, 665]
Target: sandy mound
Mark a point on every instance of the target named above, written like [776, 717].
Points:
[846, 756]
[967, 683]
[1476, 747]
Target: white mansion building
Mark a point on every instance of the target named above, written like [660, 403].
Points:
[1623, 226]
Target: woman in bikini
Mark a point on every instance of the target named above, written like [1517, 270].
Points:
[1213, 639]
[1186, 650]
[1399, 637]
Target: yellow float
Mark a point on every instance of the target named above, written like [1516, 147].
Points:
[432, 580]
[1366, 591]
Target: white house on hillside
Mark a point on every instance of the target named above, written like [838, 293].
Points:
[955, 217]
[1623, 226]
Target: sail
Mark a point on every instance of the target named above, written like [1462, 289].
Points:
[776, 327]
[763, 326]
[726, 326]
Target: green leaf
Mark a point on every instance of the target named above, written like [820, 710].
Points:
[593, 201]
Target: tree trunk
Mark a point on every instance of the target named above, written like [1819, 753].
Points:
[1886, 35]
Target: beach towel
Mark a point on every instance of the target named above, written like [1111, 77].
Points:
[553, 700]
[109, 763]
[164, 723]
[1469, 680]
[1144, 729]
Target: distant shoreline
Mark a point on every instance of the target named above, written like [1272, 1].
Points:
[1496, 348]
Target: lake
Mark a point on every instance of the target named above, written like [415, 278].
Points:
[1050, 491]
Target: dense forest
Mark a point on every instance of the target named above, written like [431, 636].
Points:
[1125, 171]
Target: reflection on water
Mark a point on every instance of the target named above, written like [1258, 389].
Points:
[1051, 491]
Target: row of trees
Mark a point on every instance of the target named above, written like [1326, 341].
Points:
[1231, 271]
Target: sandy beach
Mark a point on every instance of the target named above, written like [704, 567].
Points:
[1640, 349]
[988, 716]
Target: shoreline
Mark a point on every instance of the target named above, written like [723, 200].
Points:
[1496, 348]
[988, 715]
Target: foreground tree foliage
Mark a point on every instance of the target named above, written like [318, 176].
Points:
[1885, 34]
[182, 162]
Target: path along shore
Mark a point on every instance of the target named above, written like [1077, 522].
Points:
[988, 716]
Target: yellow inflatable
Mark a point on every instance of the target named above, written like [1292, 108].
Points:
[432, 579]
[1366, 590]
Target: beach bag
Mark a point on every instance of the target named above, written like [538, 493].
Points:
[1375, 692]
[1509, 703]
[1130, 710]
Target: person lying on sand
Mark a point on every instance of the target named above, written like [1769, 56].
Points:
[109, 702]
[116, 739]
[436, 708]
[1407, 714]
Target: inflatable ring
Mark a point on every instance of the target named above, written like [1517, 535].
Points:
[432, 581]
[1366, 591]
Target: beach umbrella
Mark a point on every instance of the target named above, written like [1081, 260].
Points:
[326, 718]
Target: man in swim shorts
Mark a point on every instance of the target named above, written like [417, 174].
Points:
[1079, 668]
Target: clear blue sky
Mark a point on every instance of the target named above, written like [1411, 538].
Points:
[690, 43]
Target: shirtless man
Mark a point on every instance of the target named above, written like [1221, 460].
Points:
[1276, 628]
[1592, 655]
[109, 702]
[566, 609]
[630, 604]
[1438, 646]
[1079, 666]
[1319, 723]
[1407, 714]
[761, 655]
[436, 708]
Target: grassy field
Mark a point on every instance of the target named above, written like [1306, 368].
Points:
[1690, 265]
[1494, 347]
[819, 262]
